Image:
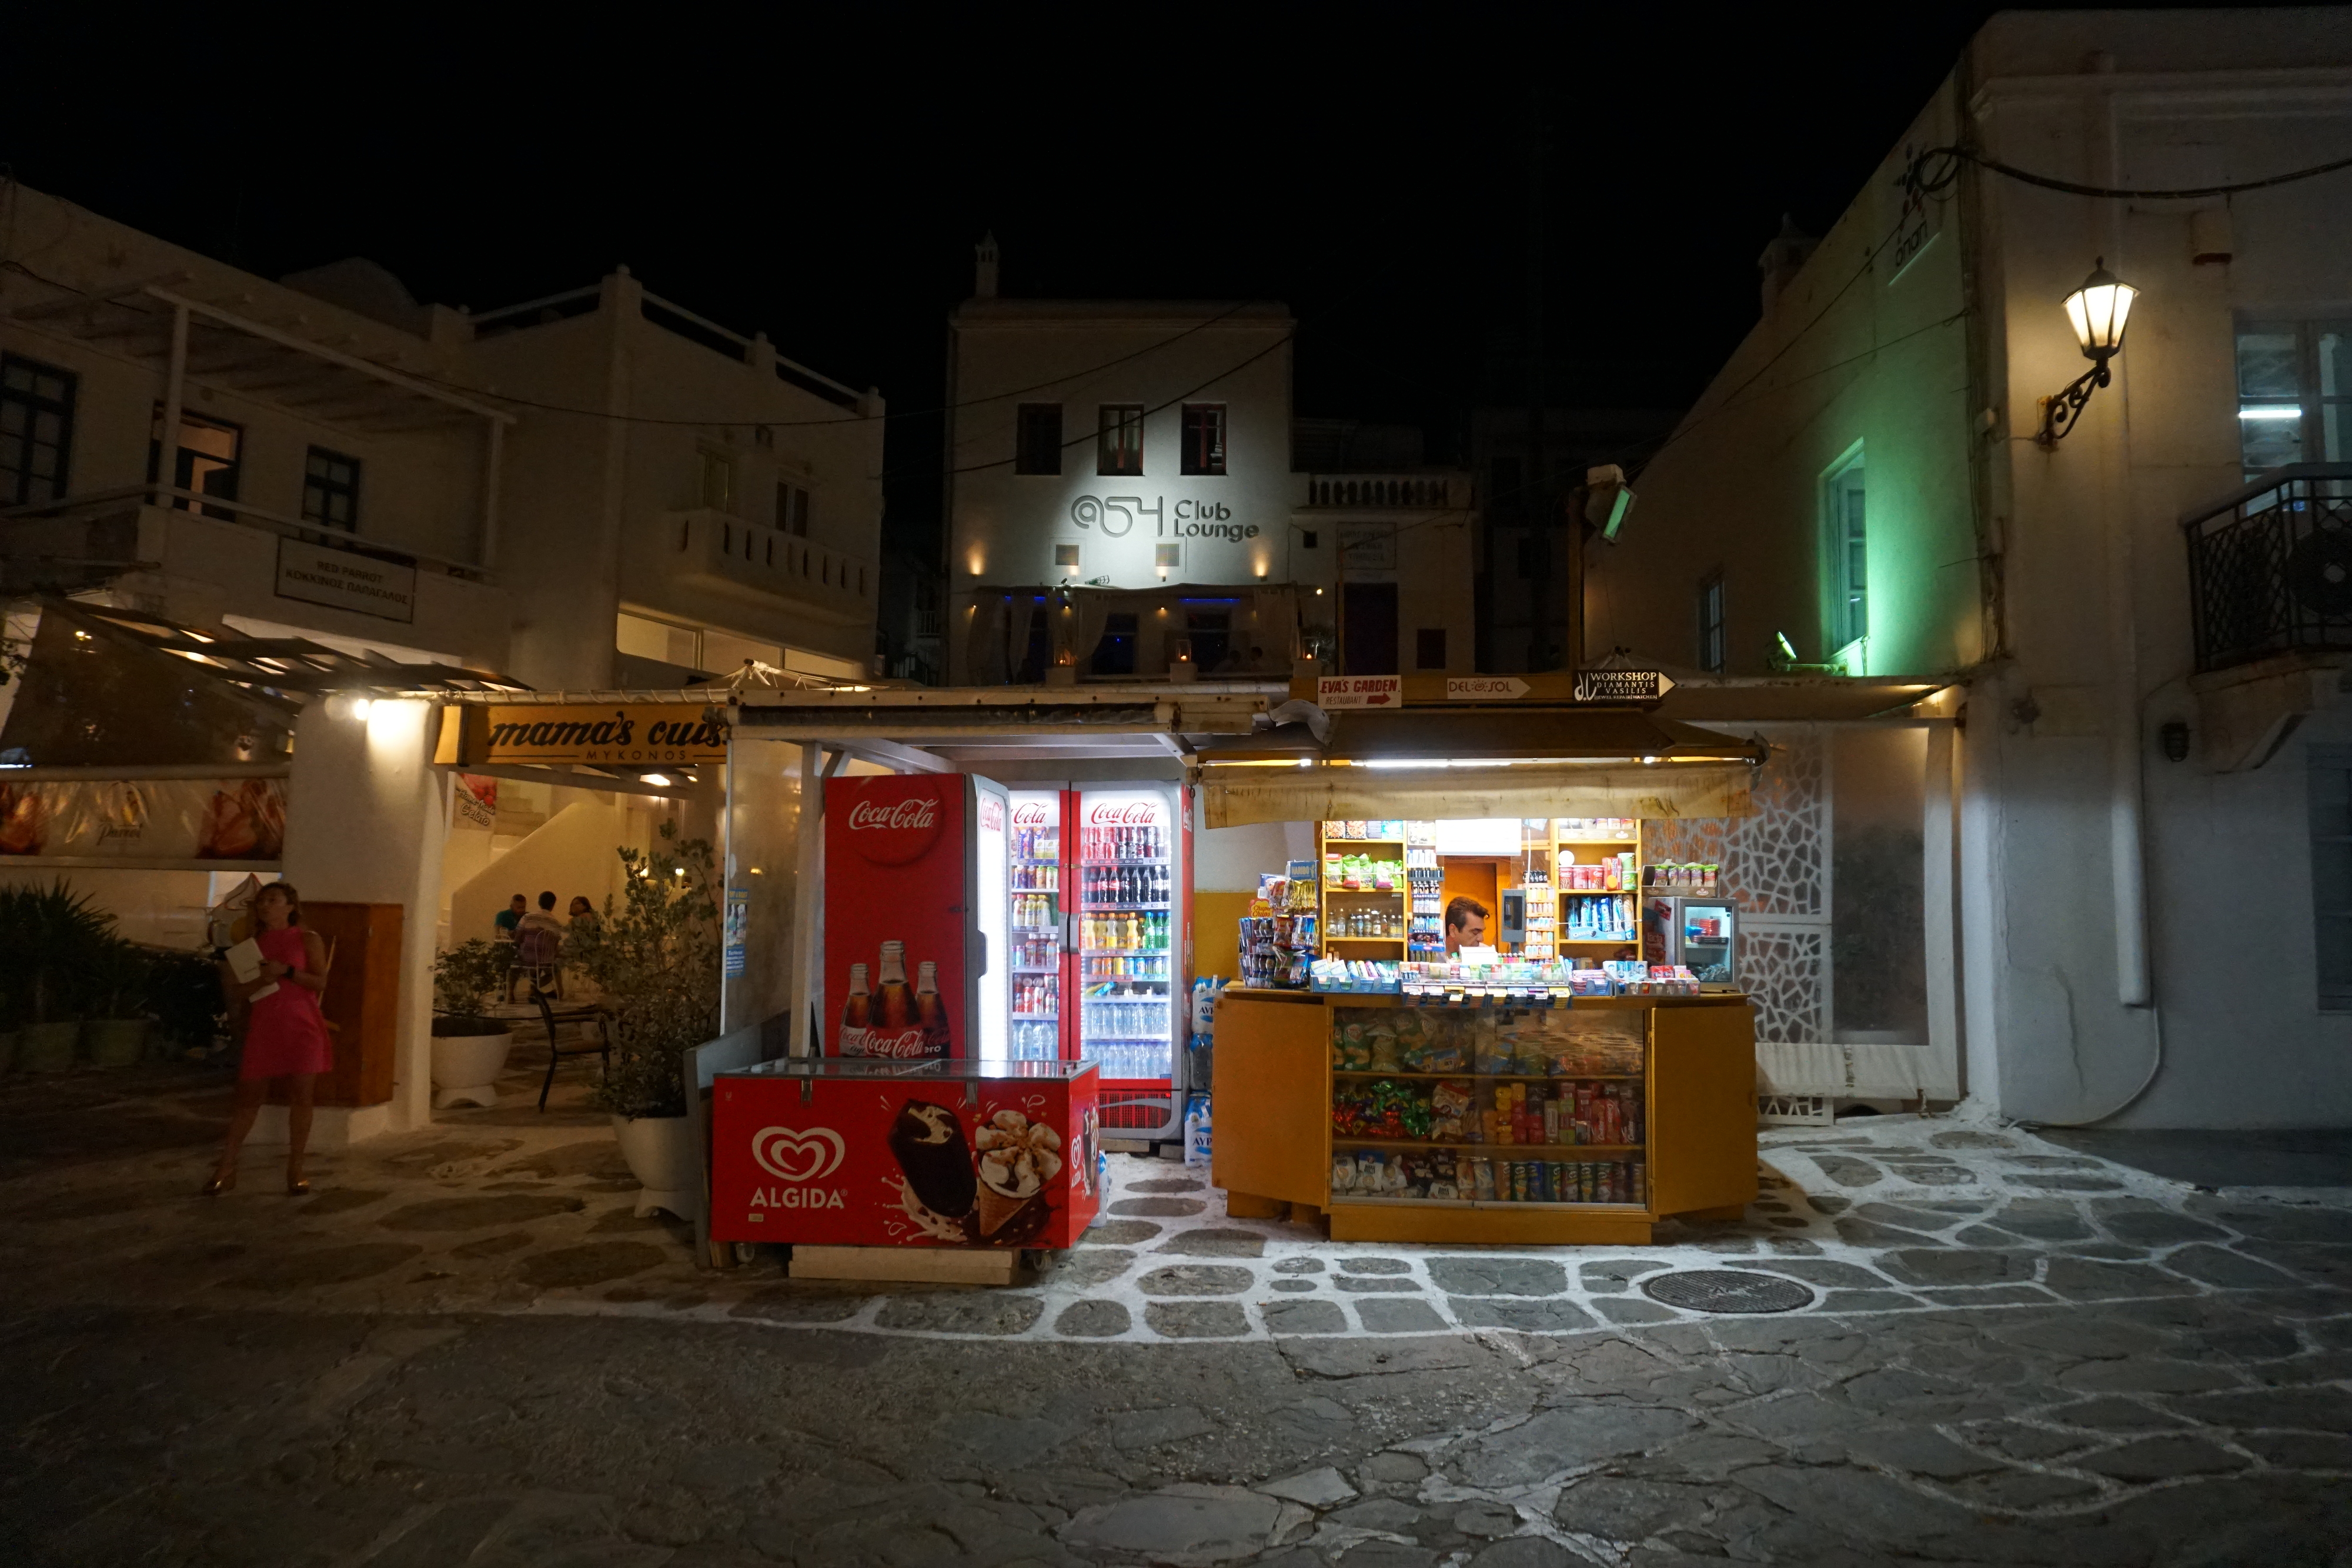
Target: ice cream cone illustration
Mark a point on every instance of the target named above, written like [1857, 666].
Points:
[1017, 1158]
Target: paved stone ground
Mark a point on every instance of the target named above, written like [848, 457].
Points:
[465, 1348]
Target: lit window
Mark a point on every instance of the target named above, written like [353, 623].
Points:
[206, 461]
[1119, 444]
[37, 409]
[331, 490]
[1710, 622]
[1845, 537]
[1038, 439]
[2294, 393]
[1204, 438]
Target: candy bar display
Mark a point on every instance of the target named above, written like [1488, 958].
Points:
[1435, 1103]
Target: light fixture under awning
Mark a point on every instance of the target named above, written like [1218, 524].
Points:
[1472, 734]
[1234, 797]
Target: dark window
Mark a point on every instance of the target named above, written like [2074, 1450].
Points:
[1429, 648]
[2331, 873]
[206, 461]
[1115, 654]
[1710, 622]
[1211, 632]
[1367, 634]
[791, 509]
[1847, 521]
[1306, 538]
[1204, 438]
[1039, 448]
[1535, 557]
[1033, 650]
[36, 408]
[1503, 497]
[1120, 442]
[331, 490]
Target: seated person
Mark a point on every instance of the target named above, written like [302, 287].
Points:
[511, 918]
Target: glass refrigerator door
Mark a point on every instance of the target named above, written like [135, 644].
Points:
[1707, 933]
[990, 843]
[1035, 900]
[1127, 874]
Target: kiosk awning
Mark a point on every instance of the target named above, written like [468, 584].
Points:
[1233, 796]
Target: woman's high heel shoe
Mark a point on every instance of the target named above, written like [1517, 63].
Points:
[219, 1184]
[297, 1187]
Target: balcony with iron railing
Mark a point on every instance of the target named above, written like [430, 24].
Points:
[2270, 568]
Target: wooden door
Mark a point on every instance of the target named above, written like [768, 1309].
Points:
[361, 1001]
[1273, 1099]
[1702, 1131]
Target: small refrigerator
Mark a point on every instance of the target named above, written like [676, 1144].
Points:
[1011, 925]
[1700, 934]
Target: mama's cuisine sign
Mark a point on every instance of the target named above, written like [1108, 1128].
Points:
[623, 734]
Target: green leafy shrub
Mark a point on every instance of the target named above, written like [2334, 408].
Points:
[54, 938]
[467, 980]
[657, 960]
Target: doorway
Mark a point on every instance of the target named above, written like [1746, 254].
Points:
[1368, 635]
[1466, 878]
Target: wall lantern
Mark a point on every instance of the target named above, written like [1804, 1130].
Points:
[2098, 311]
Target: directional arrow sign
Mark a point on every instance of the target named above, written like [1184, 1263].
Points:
[1359, 691]
[1623, 685]
[1484, 688]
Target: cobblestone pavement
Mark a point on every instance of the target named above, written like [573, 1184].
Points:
[466, 1349]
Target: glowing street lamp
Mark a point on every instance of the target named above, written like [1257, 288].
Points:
[2098, 312]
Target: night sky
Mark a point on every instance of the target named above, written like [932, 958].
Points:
[825, 182]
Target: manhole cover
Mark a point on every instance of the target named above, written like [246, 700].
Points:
[1726, 1291]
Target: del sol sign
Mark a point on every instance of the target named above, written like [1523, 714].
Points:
[625, 734]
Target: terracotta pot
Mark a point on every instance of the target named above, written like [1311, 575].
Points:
[113, 1043]
[46, 1047]
[660, 1152]
[465, 1067]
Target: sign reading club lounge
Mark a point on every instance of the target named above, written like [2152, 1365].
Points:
[641, 735]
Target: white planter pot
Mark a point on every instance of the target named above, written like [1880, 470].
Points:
[661, 1156]
[466, 1067]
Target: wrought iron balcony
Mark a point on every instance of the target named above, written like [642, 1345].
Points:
[2270, 567]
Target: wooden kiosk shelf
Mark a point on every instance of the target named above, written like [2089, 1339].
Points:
[1693, 1100]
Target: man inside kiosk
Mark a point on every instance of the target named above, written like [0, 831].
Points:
[1465, 925]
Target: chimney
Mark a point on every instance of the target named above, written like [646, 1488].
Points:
[983, 282]
[1782, 260]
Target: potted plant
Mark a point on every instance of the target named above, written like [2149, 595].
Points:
[55, 934]
[657, 960]
[469, 1047]
[115, 1031]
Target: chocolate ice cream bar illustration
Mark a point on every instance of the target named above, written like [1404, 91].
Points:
[1017, 1158]
[930, 1148]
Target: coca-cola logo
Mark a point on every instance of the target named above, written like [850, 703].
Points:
[888, 832]
[991, 814]
[1124, 814]
[1029, 814]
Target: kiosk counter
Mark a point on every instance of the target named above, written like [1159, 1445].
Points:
[1410, 1119]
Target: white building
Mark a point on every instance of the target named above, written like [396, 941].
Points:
[2147, 880]
[1121, 488]
[534, 489]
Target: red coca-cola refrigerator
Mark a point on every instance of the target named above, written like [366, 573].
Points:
[1031, 924]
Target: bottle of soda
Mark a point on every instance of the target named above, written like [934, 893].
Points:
[857, 1015]
[930, 1017]
[897, 1005]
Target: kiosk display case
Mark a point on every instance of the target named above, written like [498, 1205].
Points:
[1584, 1122]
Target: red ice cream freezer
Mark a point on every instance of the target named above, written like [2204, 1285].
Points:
[877, 1152]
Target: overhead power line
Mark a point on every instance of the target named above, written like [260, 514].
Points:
[1917, 179]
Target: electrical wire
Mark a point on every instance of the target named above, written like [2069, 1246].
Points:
[1917, 181]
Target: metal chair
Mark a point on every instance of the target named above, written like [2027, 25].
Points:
[551, 1019]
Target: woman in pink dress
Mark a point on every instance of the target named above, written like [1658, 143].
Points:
[286, 1037]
